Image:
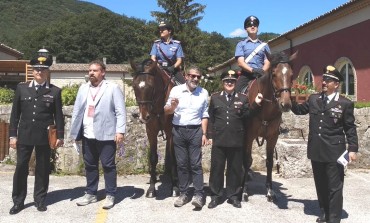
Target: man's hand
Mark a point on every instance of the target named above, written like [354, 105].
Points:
[352, 156]
[170, 69]
[13, 142]
[258, 98]
[119, 138]
[258, 72]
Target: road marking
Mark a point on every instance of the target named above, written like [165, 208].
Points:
[101, 216]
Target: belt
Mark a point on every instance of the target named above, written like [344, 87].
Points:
[187, 126]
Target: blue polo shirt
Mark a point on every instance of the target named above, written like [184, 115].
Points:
[246, 47]
[192, 107]
[172, 50]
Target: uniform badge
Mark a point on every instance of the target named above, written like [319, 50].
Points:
[335, 120]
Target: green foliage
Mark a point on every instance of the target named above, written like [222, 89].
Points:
[362, 104]
[69, 94]
[130, 102]
[212, 86]
[6, 95]
[19, 16]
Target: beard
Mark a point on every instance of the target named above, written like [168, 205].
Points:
[192, 84]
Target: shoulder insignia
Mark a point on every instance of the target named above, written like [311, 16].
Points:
[216, 93]
[176, 41]
[157, 40]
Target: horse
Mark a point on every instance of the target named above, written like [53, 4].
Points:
[152, 86]
[275, 87]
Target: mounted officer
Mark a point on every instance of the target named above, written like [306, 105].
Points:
[168, 52]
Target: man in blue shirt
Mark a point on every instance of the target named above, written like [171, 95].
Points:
[251, 54]
[168, 52]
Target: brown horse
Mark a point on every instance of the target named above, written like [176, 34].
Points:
[152, 86]
[275, 87]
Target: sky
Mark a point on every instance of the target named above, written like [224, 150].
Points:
[227, 16]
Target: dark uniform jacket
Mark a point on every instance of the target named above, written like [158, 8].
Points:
[329, 127]
[227, 119]
[33, 111]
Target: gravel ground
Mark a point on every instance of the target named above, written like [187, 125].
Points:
[296, 202]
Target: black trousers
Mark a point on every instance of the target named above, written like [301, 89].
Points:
[42, 172]
[234, 172]
[243, 81]
[188, 152]
[329, 178]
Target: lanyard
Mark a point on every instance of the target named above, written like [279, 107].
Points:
[97, 91]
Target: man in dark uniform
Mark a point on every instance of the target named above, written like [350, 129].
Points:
[331, 123]
[228, 111]
[36, 105]
[168, 52]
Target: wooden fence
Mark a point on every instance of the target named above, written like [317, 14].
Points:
[4, 139]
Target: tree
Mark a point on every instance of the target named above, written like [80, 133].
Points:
[80, 39]
[180, 13]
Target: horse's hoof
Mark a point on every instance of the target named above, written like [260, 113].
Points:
[151, 194]
[245, 196]
[271, 198]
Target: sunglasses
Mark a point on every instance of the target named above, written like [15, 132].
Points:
[193, 76]
[250, 25]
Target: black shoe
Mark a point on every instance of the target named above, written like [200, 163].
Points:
[236, 203]
[16, 209]
[320, 220]
[214, 203]
[41, 206]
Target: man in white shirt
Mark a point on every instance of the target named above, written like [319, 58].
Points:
[189, 104]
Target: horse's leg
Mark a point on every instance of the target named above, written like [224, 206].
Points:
[171, 166]
[270, 146]
[153, 159]
[247, 163]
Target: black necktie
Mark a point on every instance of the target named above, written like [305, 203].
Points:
[229, 97]
[325, 100]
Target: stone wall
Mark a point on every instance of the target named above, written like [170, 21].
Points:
[291, 147]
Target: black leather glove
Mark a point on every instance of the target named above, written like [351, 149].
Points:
[258, 72]
[170, 69]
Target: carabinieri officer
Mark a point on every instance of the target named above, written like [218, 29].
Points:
[228, 111]
[168, 52]
[36, 105]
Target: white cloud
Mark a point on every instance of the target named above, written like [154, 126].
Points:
[238, 33]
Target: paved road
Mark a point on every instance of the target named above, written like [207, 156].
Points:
[296, 202]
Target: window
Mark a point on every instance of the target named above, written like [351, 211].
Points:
[305, 76]
[345, 67]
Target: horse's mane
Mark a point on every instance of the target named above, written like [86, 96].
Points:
[278, 57]
[146, 62]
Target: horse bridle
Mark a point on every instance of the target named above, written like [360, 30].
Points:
[277, 92]
[143, 102]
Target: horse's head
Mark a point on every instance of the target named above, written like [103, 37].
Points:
[282, 79]
[147, 86]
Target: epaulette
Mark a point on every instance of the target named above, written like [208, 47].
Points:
[218, 92]
[157, 40]
[176, 41]
[242, 93]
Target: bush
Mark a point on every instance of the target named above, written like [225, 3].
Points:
[6, 95]
[362, 104]
[130, 102]
[69, 94]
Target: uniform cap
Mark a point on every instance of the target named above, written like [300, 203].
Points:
[164, 24]
[331, 72]
[229, 75]
[41, 62]
[251, 20]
